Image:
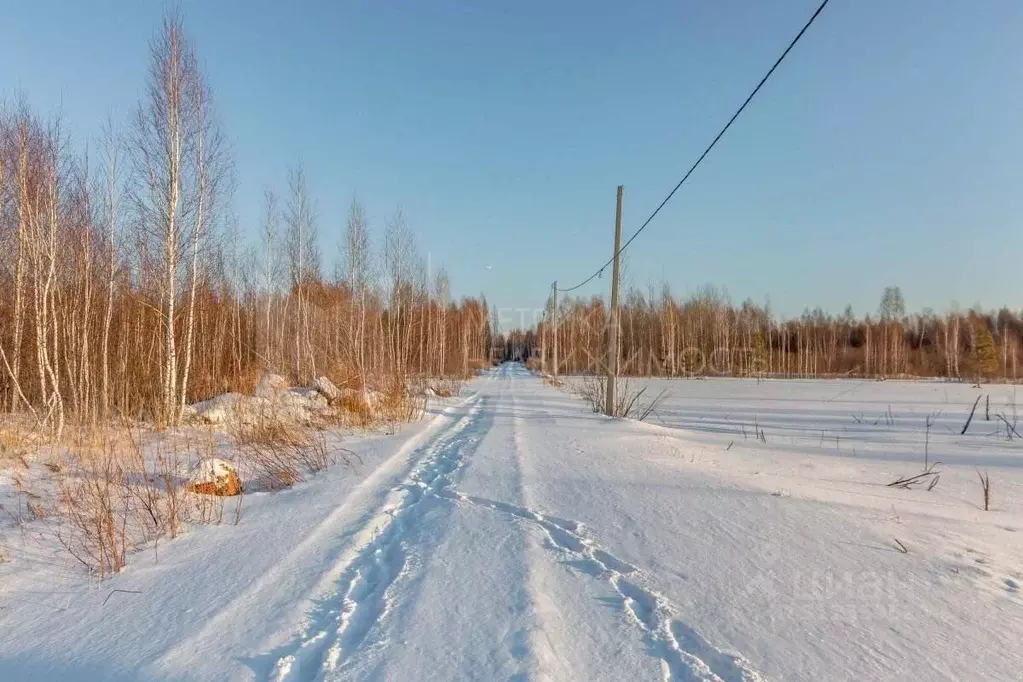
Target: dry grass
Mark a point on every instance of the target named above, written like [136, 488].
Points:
[245, 383]
[19, 439]
[93, 514]
[23, 496]
[629, 402]
[278, 454]
[592, 389]
[107, 491]
[354, 409]
[394, 406]
[266, 428]
[985, 484]
[398, 407]
[446, 388]
[280, 464]
[346, 377]
[127, 491]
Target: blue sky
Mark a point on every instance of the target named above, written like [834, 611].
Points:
[886, 150]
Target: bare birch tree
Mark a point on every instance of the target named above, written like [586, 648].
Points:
[163, 141]
[358, 268]
[304, 262]
[112, 192]
[209, 172]
[270, 272]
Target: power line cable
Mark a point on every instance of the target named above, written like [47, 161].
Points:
[706, 151]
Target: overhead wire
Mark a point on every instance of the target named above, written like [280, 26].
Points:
[706, 151]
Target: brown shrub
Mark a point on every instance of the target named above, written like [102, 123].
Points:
[126, 495]
[352, 410]
[280, 458]
[245, 383]
[93, 513]
[266, 428]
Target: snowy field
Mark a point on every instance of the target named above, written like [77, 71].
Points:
[745, 532]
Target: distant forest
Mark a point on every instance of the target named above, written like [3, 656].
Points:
[707, 335]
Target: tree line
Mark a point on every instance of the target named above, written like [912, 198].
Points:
[128, 290]
[705, 334]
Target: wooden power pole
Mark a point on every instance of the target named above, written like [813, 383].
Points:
[554, 288]
[612, 332]
[543, 343]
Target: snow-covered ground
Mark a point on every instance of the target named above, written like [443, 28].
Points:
[516, 535]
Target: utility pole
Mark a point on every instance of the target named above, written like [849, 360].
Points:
[543, 342]
[554, 288]
[612, 332]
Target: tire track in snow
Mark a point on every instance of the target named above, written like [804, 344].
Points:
[365, 590]
[684, 654]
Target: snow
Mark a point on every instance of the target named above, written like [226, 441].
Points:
[309, 399]
[210, 470]
[272, 400]
[515, 535]
[270, 386]
[219, 409]
[327, 389]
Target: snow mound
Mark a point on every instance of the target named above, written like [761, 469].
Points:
[212, 476]
[327, 389]
[219, 409]
[291, 405]
[270, 386]
[304, 398]
[300, 405]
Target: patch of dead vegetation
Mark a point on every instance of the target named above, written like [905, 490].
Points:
[107, 491]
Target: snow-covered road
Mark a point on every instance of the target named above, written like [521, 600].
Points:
[460, 575]
[518, 536]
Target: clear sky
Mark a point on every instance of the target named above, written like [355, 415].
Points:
[888, 149]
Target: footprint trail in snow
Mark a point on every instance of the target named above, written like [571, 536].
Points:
[684, 654]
